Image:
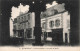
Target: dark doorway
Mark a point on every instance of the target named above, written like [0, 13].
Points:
[66, 39]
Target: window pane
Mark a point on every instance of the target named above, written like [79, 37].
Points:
[43, 25]
[57, 23]
[51, 24]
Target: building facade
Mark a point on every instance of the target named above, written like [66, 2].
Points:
[57, 26]
[55, 23]
[15, 28]
[24, 25]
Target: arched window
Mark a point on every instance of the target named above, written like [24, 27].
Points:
[57, 23]
[51, 24]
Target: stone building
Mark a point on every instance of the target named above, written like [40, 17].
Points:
[24, 25]
[55, 23]
[58, 24]
[15, 28]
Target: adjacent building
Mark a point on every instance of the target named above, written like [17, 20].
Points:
[57, 26]
[23, 25]
[15, 28]
[55, 23]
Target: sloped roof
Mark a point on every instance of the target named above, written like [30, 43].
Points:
[53, 10]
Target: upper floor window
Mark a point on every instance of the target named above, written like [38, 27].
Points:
[51, 24]
[24, 18]
[57, 23]
[44, 25]
[44, 15]
[24, 25]
[54, 11]
[18, 26]
[14, 26]
[28, 16]
[18, 19]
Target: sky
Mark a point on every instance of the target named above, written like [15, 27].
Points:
[53, 4]
[16, 11]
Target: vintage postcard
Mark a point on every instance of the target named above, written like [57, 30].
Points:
[40, 25]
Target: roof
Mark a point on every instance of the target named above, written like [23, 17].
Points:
[57, 9]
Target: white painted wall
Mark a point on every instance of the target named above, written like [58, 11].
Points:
[11, 27]
[52, 18]
[65, 24]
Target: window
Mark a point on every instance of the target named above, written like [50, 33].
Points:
[44, 15]
[18, 20]
[44, 25]
[28, 16]
[57, 23]
[18, 26]
[15, 27]
[54, 11]
[24, 18]
[29, 33]
[51, 24]
[28, 24]
[22, 25]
